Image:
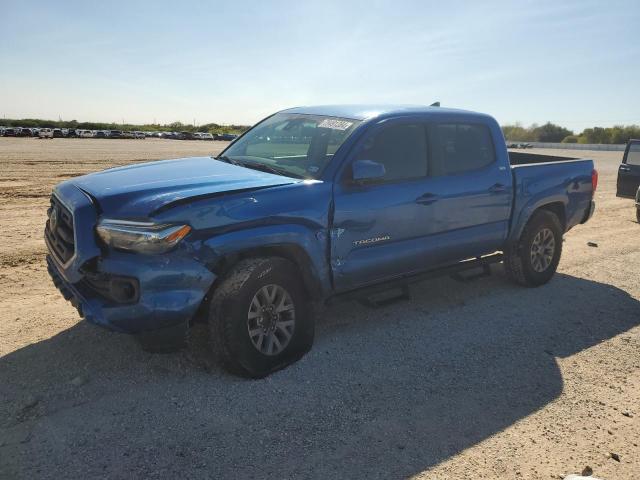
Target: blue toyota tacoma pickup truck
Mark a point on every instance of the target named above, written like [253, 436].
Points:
[309, 204]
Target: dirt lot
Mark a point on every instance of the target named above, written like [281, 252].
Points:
[468, 380]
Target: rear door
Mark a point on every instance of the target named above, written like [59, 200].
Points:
[471, 189]
[629, 171]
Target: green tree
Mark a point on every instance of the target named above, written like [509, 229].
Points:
[550, 132]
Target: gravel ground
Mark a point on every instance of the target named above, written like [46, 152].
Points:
[480, 379]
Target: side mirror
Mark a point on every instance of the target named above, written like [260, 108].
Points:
[367, 170]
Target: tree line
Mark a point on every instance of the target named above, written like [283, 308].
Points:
[550, 132]
[150, 127]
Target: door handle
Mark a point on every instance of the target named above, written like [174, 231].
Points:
[624, 168]
[427, 199]
[497, 188]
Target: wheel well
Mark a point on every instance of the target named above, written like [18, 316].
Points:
[557, 208]
[293, 253]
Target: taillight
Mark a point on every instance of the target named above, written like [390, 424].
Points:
[594, 179]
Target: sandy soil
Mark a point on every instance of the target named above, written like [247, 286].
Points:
[468, 380]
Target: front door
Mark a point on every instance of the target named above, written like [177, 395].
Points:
[379, 228]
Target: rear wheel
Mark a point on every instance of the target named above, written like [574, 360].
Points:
[535, 257]
[260, 317]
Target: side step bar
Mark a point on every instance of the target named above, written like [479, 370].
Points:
[403, 282]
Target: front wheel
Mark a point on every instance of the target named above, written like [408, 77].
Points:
[533, 260]
[260, 317]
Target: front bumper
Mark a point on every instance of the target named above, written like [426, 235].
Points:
[170, 291]
[166, 289]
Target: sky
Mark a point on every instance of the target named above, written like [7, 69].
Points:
[574, 63]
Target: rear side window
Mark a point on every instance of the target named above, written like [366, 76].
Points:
[459, 148]
[402, 149]
[633, 156]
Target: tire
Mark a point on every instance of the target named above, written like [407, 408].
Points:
[525, 267]
[240, 305]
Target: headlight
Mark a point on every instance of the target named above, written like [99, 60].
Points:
[141, 237]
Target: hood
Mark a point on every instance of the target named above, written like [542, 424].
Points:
[138, 191]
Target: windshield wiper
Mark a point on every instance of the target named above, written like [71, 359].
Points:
[226, 159]
[269, 169]
[263, 167]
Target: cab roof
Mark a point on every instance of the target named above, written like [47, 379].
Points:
[367, 112]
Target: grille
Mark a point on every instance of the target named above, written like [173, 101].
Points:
[59, 231]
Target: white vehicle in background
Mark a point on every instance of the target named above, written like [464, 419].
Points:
[45, 133]
[139, 135]
[206, 136]
[85, 133]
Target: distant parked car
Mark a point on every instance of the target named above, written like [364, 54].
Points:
[72, 133]
[206, 136]
[186, 136]
[23, 132]
[115, 134]
[9, 132]
[102, 134]
[86, 133]
[139, 135]
[519, 145]
[45, 133]
[227, 137]
[57, 133]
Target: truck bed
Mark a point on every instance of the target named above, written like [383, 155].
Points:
[544, 179]
[524, 158]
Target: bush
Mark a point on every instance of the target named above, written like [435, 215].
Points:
[570, 139]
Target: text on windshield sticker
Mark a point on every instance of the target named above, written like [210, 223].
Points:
[335, 124]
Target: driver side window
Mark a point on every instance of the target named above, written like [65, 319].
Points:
[401, 148]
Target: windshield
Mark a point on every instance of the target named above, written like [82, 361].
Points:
[291, 144]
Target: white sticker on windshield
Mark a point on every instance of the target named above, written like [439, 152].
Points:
[335, 124]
